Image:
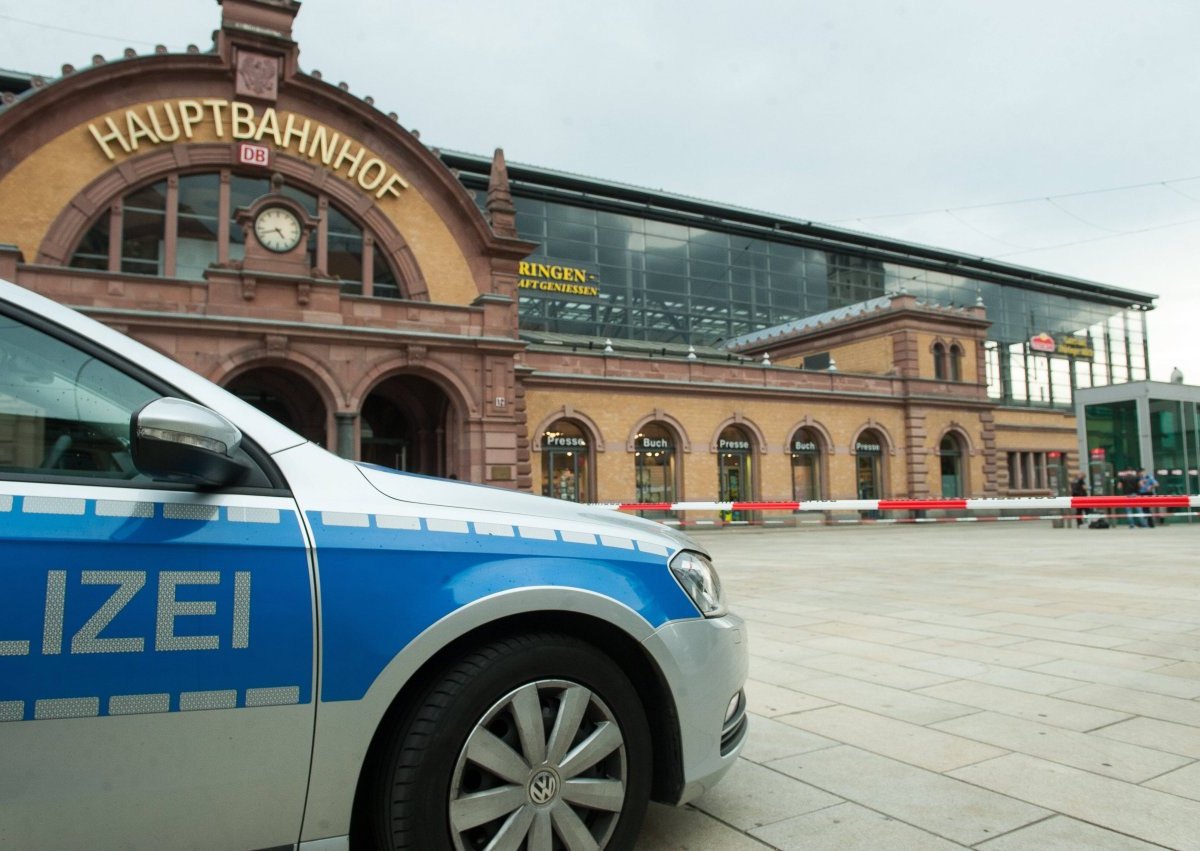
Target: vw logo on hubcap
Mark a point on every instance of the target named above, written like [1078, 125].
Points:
[543, 787]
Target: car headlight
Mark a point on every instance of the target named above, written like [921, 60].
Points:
[699, 580]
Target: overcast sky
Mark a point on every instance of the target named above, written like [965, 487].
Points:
[1058, 134]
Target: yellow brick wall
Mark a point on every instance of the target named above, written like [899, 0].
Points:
[1034, 431]
[873, 356]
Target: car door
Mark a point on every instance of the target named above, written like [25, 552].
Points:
[156, 641]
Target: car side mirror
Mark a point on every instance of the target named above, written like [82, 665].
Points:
[175, 440]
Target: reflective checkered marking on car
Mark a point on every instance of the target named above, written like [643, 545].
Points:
[455, 526]
[149, 704]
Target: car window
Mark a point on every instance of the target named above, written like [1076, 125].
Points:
[62, 410]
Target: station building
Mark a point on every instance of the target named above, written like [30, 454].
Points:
[458, 315]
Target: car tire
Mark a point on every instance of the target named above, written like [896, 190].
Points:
[538, 738]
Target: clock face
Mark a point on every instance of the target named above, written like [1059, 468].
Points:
[278, 229]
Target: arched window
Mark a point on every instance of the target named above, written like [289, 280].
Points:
[951, 464]
[956, 358]
[735, 467]
[179, 225]
[566, 462]
[868, 465]
[939, 361]
[807, 465]
[654, 451]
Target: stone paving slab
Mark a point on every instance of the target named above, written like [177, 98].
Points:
[1185, 782]
[1065, 834]
[937, 803]
[1036, 707]
[757, 796]
[924, 747]
[989, 686]
[1117, 759]
[849, 826]
[1152, 733]
[1148, 814]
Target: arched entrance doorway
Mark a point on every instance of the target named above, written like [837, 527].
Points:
[868, 462]
[286, 397]
[408, 423]
[566, 462]
[735, 468]
[806, 465]
[951, 452]
[654, 463]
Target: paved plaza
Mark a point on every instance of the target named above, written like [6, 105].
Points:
[995, 686]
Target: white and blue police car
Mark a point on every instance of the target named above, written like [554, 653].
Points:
[214, 634]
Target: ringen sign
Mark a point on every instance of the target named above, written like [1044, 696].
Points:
[169, 122]
[549, 278]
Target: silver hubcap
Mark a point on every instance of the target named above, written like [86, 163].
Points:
[544, 767]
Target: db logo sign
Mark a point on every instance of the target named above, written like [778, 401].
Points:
[248, 154]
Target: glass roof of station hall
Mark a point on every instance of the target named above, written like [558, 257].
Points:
[566, 187]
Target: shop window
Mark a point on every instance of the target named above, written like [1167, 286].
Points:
[654, 453]
[868, 463]
[195, 201]
[566, 462]
[735, 469]
[807, 465]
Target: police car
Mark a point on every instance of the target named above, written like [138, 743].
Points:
[214, 634]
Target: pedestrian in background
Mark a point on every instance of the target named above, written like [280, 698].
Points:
[1147, 486]
[1079, 488]
[1129, 481]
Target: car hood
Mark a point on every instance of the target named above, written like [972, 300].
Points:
[480, 499]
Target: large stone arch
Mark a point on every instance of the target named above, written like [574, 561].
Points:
[460, 394]
[253, 357]
[264, 365]
[413, 415]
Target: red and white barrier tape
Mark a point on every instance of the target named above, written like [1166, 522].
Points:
[1113, 519]
[986, 504]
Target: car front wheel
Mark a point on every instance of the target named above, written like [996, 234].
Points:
[535, 742]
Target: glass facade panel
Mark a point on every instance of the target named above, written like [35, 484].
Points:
[1191, 435]
[1113, 429]
[1169, 442]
